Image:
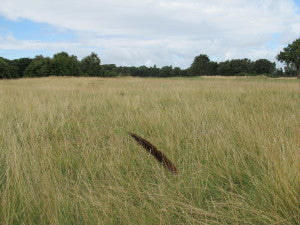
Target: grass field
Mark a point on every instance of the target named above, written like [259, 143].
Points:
[66, 156]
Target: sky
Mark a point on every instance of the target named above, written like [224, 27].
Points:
[149, 32]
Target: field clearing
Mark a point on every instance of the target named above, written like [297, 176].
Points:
[66, 156]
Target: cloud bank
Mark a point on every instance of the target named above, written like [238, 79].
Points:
[161, 32]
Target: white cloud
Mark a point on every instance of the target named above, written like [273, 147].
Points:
[161, 32]
[9, 42]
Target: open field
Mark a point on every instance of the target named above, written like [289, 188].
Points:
[66, 156]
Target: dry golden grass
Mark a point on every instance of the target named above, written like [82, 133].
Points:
[66, 157]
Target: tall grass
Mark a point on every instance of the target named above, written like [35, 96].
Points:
[66, 157]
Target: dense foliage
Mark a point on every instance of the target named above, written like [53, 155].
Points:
[7, 69]
[291, 57]
[63, 64]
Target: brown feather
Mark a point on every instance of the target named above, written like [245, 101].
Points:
[160, 157]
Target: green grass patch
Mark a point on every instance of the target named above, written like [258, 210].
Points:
[66, 156]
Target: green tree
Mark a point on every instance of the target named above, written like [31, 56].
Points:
[166, 71]
[241, 66]
[110, 73]
[107, 67]
[200, 65]
[65, 65]
[238, 67]
[39, 67]
[291, 56]
[7, 70]
[90, 65]
[290, 70]
[21, 65]
[176, 71]
[154, 71]
[213, 68]
[224, 68]
[264, 66]
[4, 69]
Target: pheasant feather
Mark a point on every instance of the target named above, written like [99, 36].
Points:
[160, 157]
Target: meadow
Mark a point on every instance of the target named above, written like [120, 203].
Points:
[66, 156]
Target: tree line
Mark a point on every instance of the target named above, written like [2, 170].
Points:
[63, 64]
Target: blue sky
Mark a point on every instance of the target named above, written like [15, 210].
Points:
[147, 32]
[24, 29]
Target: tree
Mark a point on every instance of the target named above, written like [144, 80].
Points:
[224, 68]
[90, 65]
[290, 71]
[264, 66]
[4, 69]
[108, 67]
[291, 56]
[213, 68]
[65, 65]
[200, 65]
[39, 67]
[176, 71]
[239, 67]
[21, 65]
[154, 71]
[166, 71]
[7, 70]
[278, 72]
